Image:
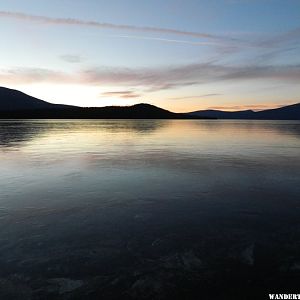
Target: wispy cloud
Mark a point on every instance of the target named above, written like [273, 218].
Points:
[153, 79]
[287, 37]
[195, 97]
[101, 25]
[224, 44]
[267, 57]
[34, 75]
[177, 41]
[254, 107]
[121, 94]
[192, 74]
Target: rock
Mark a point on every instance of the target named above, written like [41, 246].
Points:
[186, 261]
[66, 285]
[191, 261]
[247, 255]
[146, 288]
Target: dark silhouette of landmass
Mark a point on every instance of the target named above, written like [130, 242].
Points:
[17, 105]
[290, 112]
[12, 100]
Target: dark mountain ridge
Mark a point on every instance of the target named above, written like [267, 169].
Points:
[11, 100]
[17, 105]
[290, 112]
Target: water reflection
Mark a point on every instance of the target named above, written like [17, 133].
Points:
[149, 209]
[259, 126]
[15, 132]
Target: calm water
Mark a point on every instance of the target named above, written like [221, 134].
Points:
[154, 209]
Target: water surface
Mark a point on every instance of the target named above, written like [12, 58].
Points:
[149, 209]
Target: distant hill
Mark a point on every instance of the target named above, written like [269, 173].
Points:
[17, 105]
[11, 100]
[290, 112]
[219, 114]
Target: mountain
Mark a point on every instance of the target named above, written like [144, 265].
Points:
[11, 100]
[17, 105]
[290, 112]
[219, 114]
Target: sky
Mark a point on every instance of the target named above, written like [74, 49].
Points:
[181, 55]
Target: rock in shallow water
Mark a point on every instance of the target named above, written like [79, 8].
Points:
[66, 285]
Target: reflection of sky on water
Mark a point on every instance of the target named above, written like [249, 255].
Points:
[77, 196]
[30, 134]
[87, 155]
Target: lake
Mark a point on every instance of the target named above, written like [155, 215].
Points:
[149, 209]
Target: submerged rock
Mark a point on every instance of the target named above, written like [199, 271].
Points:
[66, 285]
[146, 288]
[247, 255]
[191, 261]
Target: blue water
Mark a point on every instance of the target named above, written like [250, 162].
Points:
[148, 209]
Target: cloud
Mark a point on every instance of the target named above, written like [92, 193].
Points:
[195, 97]
[192, 74]
[71, 58]
[270, 55]
[165, 40]
[256, 107]
[154, 79]
[121, 94]
[33, 75]
[284, 38]
[79, 22]
[223, 44]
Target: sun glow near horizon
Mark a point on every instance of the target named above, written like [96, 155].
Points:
[77, 95]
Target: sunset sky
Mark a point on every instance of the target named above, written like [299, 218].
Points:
[181, 55]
